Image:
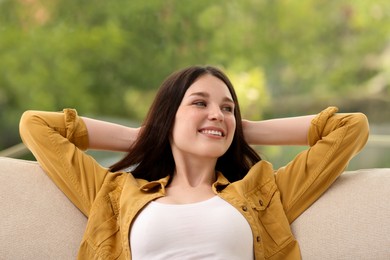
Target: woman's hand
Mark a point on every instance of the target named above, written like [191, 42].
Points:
[282, 131]
[104, 135]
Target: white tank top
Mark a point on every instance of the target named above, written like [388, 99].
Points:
[211, 229]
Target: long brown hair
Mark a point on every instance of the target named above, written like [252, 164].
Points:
[151, 154]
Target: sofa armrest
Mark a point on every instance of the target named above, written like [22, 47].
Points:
[37, 220]
[350, 221]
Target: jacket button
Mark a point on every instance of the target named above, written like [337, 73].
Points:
[258, 238]
[244, 208]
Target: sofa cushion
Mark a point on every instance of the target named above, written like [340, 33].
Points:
[37, 220]
[350, 221]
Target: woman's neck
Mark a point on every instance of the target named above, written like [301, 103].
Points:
[192, 182]
[194, 172]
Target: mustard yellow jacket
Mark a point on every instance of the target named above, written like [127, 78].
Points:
[269, 199]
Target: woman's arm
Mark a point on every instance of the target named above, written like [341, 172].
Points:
[282, 131]
[104, 135]
[334, 139]
[58, 141]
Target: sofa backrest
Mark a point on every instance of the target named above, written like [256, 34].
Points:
[37, 221]
[350, 221]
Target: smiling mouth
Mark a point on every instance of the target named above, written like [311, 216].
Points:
[211, 132]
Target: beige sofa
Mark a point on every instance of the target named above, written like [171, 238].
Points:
[350, 221]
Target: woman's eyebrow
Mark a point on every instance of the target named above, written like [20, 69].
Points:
[201, 94]
[228, 99]
[206, 95]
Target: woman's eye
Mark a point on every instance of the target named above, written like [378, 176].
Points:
[200, 104]
[227, 109]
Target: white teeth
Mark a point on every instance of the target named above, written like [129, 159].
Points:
[212, 132]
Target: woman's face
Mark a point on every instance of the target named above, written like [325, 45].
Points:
[205, 123]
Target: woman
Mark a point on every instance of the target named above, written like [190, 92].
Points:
[196, 190]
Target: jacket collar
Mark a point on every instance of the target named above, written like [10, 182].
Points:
[155, 185]
[217, 186]
[221, 183]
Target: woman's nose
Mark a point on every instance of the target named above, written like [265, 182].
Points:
[215, 113]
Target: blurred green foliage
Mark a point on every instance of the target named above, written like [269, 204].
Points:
[107, 58]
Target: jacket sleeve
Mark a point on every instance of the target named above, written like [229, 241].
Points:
[334, 139]
[57, 141]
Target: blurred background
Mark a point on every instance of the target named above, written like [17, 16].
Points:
[285, 58]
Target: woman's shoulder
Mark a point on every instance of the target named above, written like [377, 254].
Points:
[260, 174]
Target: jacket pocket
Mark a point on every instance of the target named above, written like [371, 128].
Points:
[106, 240]
[261, 198]
[103, 231]
[275, 229]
